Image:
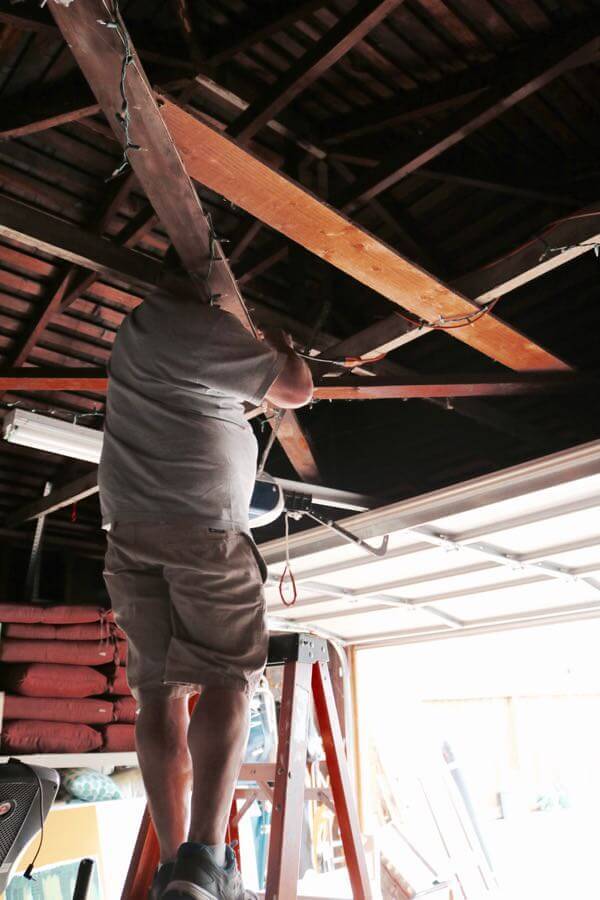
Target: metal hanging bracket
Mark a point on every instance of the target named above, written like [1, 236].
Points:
[298, 505]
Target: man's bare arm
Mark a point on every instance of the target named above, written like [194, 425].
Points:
[293, 387]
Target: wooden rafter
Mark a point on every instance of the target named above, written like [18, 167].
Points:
[51, 234]
[99, 53]
[68, 101]
[297, 445]
[35, 229]
[350, 29]
[528, 74]
[407, 232]
[239, 36]
[559, 243]
[215, 160]
[472, 176]
[450, 92]
[349, 387]
[259, 26]
[73, 492]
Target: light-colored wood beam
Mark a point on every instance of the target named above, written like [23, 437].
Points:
[218, 162]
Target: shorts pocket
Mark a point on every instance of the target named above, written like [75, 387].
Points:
[260, 563]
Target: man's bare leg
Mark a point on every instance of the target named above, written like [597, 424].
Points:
[161, 738]
[217, 739]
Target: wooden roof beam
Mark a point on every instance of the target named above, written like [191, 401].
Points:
[561, 242]
[349, 387]
[528, 74]
[216, 161]
[408, 106]
[99, 52]
[349, 30]
[159, 168]
[69, 100]
[483, 178]
[67, 494]
[454, 89]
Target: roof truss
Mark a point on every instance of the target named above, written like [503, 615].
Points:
[43, 23]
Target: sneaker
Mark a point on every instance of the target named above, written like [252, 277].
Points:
[160, 881]
[196, 876]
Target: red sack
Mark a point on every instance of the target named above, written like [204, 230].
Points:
[118, 738]
[88, 712]
[49, 737]
[121, 654]
[50, 615]
[85, 653]
[118, 683]
[125, 710]
[47, 680]
[91, 631]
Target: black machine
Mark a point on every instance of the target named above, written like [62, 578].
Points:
[26, 796]
[274, 497]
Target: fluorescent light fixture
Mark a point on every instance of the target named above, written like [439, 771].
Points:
[78, 442]
[52, 435]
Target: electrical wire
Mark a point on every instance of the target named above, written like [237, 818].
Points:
[448, 324]
[28, 871]
[349, 362]
[540, 237]
[274, 432]
[444, 324]
[115, 22]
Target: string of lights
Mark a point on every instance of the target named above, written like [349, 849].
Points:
[115, 22]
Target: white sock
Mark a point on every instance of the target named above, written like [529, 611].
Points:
[218, 852]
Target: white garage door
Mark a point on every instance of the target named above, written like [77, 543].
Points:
[515, 548]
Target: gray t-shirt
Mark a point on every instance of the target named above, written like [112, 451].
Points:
[176, 442]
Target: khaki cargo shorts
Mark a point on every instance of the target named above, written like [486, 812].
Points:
[191, 602]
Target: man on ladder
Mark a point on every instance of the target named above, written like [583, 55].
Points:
[184, 576]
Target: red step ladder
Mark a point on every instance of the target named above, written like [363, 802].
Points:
[304, 658]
